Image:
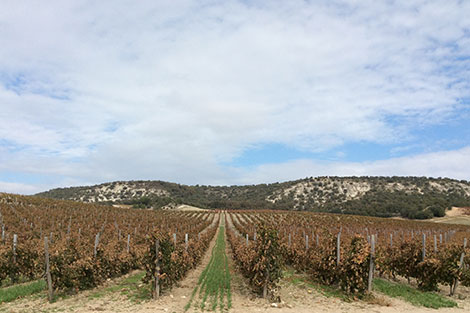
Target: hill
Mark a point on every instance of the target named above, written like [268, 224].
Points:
[409, 197]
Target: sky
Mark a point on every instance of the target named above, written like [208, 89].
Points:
[231, 92]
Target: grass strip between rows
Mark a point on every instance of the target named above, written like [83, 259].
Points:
[214, 283]
[18, 291]
[412, 295]
[131, 286]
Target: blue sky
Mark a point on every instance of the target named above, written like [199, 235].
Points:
[231, 92]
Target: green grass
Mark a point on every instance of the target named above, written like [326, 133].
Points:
[22, 290]
[131, 286]
[412, 295]
[301, 281]
[19, 280]
[213, 287]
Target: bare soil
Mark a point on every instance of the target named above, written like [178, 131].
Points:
[185, 207]
[458, 211]
[457, 215]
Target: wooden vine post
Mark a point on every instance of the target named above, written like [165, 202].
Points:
[461, 266]
[371, 264]
[69, 226]
[156, 290]
[338, 249]
[48, 271]
[97, 241]
[15, 242]
[424, 246]
[266, 281]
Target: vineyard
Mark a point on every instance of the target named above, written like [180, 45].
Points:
[75, 247]
[347, 251]
[88, 244]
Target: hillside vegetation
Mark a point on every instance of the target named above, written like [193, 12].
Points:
[409, 197]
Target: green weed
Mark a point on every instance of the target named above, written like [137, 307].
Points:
[412, 295]
[22, 290]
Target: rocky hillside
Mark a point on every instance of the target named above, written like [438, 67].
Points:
[411, 197]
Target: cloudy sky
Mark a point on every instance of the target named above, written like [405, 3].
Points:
[231, 92]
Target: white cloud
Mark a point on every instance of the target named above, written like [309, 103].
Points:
[20, 188]
[453, 164]
[172, 90]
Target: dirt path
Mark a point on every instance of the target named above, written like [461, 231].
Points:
[230, 224]
[176, 299]
[215, 220]
[305, 300]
